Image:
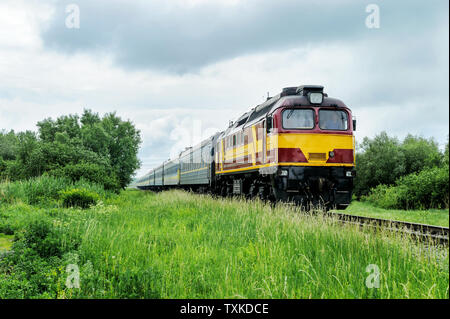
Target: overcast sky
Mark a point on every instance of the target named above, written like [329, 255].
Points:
[168, 64]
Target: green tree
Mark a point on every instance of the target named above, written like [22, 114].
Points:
[29, 156]
[383, 160]
[99, 149]
[68, 125]
[379, 161]
[420, 153]
[8, 145]
[123, 145]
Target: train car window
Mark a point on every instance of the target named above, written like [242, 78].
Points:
[302, 119]
[333, 120]
[206, 156]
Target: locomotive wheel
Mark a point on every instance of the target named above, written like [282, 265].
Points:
[262, 193]
[253, 191]
[229, 190]
[223, 191]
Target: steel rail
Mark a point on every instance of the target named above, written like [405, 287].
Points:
[421, 231]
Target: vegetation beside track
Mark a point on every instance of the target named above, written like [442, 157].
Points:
[436, 217]
[5, 242]
[412, 174]
[180, 245]
[102, 150]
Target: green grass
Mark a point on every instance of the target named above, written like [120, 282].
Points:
[438, 217]
[180, 245]
[44, 190]
[5, 242]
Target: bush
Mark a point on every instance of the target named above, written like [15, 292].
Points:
[33, 191]
[383, 196]
[102, 150]
[427, 189]
[11, 170]
[384, 159]
[90, 172]
[45, 190]
[424, 190]
[40, 237]
[78, 197]
[35, 266]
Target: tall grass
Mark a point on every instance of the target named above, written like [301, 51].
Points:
[43, 190]
[438, 217]
[179, 245]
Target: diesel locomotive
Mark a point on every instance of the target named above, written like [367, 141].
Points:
[297, 146]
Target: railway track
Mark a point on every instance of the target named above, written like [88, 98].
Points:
[423, 232]
[436, 234]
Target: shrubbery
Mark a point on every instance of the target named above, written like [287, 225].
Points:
[412, 174]
[46, 190]
[426, 189]
[40, 236]
[100, 150]
[35, 268]
[93, 173]
[384, 159]
[78, 198]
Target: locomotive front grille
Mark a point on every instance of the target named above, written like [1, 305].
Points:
[317, 156]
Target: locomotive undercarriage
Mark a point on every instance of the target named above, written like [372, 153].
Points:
[327, 187]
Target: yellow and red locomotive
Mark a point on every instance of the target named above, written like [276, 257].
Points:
[297, 146]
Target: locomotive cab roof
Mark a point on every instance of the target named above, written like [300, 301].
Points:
[289, 96]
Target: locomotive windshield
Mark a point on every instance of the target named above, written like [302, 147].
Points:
[333, 120]
[298, 119]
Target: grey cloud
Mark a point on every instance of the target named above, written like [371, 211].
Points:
[156, 35]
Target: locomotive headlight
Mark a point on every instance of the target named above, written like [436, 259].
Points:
[283, 172]
[331, 154]
[315, 98]
[348, 173]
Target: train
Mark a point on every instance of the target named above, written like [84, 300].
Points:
[298, 146]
